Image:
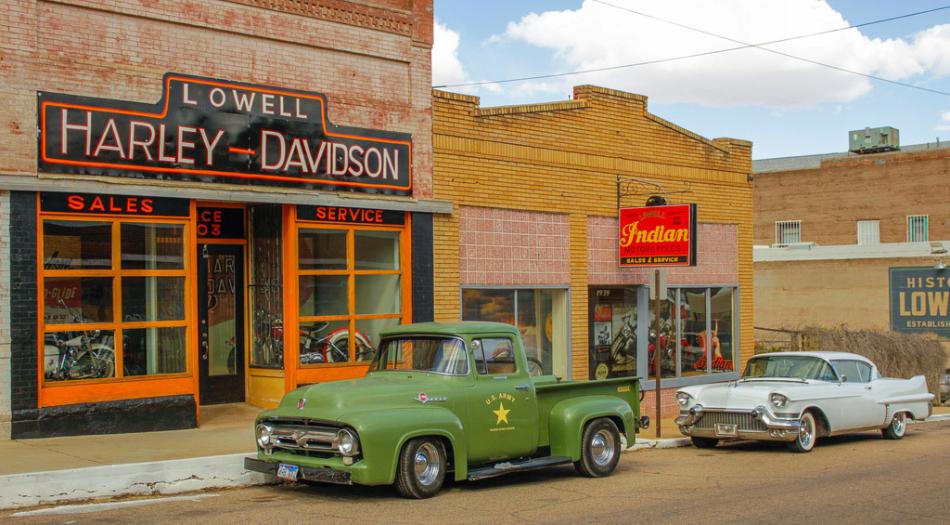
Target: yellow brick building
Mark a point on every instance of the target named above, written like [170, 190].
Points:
[535, 196]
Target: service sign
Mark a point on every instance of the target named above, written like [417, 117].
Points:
[220, 131]
[658, 236]
[920, 300]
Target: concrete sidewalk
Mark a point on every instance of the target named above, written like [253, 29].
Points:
[55, 470]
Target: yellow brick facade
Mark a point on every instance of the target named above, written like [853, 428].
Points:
[565, 157]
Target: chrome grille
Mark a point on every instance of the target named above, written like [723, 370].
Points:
[302, 435]
[744, 421]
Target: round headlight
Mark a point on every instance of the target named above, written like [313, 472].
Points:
[682, 398]
[347, 443]
[778, 400]
[263, 435]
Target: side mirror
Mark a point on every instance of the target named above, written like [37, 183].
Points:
[844, 379]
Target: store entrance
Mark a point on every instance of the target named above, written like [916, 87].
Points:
[221, 323]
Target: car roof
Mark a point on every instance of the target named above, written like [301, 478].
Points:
[828, 356]
[450, 328]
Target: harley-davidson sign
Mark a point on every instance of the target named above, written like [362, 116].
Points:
[658, 236]
[220, 131]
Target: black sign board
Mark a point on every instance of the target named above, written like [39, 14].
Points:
[113, 204]
[220, 223]
[920, 300]
[220, 131]
[350, 215]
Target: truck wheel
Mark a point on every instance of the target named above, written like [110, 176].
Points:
[600, 449]
[421, 468]
[701, 442]
[897, 428]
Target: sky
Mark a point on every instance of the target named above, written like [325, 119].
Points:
[786, 107]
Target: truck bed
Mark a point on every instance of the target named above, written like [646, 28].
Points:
[551, 391]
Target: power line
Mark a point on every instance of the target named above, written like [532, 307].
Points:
[795, 57]
[718, 51]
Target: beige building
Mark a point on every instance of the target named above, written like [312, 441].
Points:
[852, 239]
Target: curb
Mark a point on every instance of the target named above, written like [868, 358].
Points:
[660, 443]
[130, 479]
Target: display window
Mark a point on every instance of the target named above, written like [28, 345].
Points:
[696, 332]
[112, 298]
[352, 283]
[539, 314]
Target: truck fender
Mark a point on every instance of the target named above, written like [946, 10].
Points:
[569, 417]
[387, 433]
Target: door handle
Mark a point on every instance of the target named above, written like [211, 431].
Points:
[867, 388]
[522, 387]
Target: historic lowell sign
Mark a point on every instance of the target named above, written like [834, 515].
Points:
[920, 300]
[221, 131]
[658, 236]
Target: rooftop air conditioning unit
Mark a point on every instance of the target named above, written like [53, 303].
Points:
[874, 140]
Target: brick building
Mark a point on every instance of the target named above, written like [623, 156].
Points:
[205, 202]
[533, 237]
[853, 239]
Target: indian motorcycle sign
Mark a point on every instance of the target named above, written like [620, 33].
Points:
[658, 236]
[220, 131]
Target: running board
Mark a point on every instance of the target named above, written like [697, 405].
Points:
[507, 467]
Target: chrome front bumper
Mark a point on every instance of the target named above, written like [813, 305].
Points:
[757, 424]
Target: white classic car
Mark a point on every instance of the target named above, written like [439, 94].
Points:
[798, 397]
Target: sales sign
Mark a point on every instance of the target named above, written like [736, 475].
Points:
[920, 300]
[658, 236]
[220, 131]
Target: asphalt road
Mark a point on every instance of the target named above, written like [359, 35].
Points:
[853, 479]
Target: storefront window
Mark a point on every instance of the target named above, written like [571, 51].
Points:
[539, 314]
[722, 331]
[266, 287]
[668, 339]
[101, 313]
[692, 328]
[613, 332]
[350, 289]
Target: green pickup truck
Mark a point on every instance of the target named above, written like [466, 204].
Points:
[444, 398]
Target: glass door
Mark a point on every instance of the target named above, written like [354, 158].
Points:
[221, 323]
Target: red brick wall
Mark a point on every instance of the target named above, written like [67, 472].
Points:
[374, 78]
[717, 256]
[511, 247]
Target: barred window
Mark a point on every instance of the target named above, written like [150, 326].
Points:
[917, 230]
[788, 232]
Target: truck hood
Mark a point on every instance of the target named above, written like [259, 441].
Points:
[381, 391]
[742, 394]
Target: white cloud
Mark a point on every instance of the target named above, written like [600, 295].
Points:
[944, 124]
[446, 66]
[597, 36]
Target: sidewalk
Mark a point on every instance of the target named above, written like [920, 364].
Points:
[44, 471]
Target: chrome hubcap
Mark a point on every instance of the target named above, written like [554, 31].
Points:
[428, 464]
[898, 424]
[602, 447]
[807, 432]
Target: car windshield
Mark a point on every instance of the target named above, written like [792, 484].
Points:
[442, 355]
[798, 367]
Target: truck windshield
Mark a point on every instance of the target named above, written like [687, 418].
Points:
[799, 367]
[442, 355]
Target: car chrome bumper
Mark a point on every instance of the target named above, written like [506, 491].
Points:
[768, 426]
[325, 474]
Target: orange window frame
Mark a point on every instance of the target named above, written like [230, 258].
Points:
[330, 371]
[119, 386]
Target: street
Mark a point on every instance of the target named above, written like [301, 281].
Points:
[853, 479]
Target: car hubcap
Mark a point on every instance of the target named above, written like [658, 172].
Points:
[428, 464]
[898, 424]
[602, 447]
[806, 434]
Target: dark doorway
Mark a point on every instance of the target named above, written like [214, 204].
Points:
[221, 323]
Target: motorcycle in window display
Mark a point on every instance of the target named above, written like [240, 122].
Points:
[667, 348]
[332, 347]
[83, 354]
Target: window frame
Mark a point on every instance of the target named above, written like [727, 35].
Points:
[120, 386]
[351, 272]
[876, 231]
[781, 228]
[913, 222]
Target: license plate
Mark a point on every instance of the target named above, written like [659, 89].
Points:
[726, 430]
[288, 472]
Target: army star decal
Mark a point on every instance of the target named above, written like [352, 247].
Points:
[501, 413]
